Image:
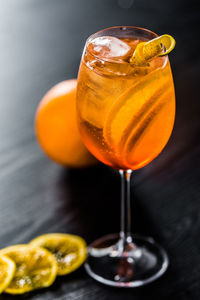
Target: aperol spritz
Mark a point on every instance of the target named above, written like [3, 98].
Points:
[126, 114]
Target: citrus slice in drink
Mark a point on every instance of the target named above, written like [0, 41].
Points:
[130, 107]
[69, 250]
[7, 270]
[146, 51]
[153, 130]
[35, 268]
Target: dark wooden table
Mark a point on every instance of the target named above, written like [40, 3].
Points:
[41, 44]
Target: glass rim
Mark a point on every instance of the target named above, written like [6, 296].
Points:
[114, 27]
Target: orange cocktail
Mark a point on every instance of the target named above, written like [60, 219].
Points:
[126, 114]
[126, 110]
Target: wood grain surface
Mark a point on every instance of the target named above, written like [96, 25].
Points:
[41, 44]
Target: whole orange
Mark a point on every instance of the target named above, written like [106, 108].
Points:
[56, 126]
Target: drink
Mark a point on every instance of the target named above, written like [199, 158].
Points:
[126, 110]
[126, 114]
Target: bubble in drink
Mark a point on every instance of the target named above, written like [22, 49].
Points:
[109, 47]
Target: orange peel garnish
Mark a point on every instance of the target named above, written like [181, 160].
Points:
[146, 51]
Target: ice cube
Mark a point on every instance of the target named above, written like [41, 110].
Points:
[109, 47]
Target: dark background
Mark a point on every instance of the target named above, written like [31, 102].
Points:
[41, 44]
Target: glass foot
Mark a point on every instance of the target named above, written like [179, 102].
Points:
[137, 263]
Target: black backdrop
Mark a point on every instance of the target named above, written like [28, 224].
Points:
[41, 44]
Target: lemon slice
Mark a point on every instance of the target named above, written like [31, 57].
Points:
[35, 268]
[145, 51]
[70, 250]
[7, 270]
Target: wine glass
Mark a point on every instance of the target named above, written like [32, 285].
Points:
[125, 116]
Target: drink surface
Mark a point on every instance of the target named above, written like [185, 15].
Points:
[125, 114]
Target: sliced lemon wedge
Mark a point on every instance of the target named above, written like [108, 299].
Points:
[145, 51]
[7, 270]
[69, 250]
[35, 268]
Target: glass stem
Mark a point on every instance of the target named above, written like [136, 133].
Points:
[125, 230]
